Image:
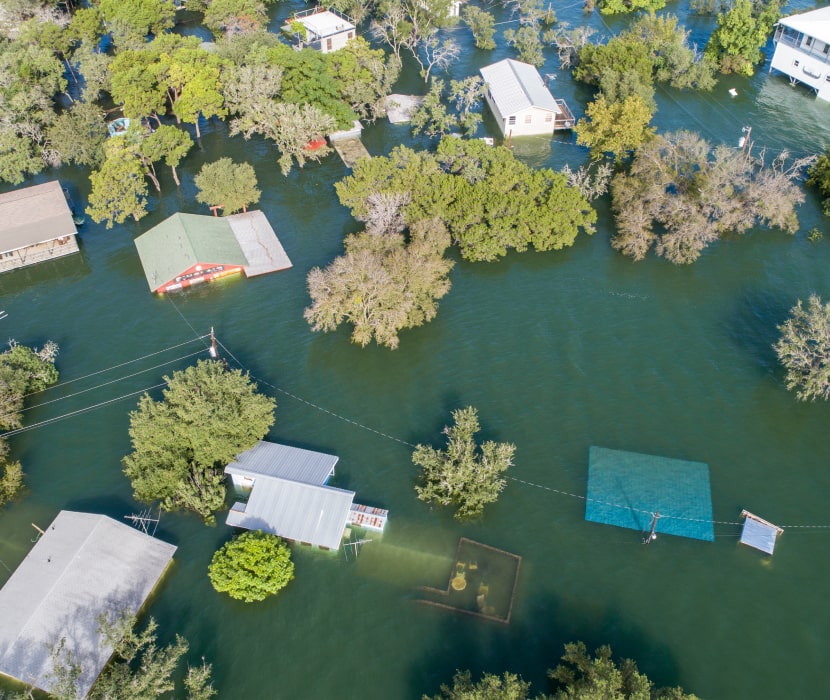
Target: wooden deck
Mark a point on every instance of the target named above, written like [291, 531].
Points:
[350, 151]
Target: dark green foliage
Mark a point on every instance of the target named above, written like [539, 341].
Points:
[490, 687]
[119, 190]
[489, 201]
[482, 25]
[803, 349]
[131, 21]
[182, 443]
[583, 677]
[235, 16]
[228, 185]
[465, 475]
[742, 31]
[78, 135]
[617, 7]
[252, 567]
[527, 42]
[818, 176]
[364, 76]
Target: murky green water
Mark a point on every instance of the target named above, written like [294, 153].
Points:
[558, 351]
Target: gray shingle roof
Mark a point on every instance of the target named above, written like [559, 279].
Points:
[294, 510]
[515, 86]
[83, 565]
[32, 215]
[293, 463]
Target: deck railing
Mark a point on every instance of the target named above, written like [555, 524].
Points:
[790, 37]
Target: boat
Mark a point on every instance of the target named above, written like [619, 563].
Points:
[118, 127]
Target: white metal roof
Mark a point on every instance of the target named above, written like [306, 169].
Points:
[815, 23]
[294, 510]
[759, 533]
[36, 214]
[83, 565]
[282, 461]
[325, 24]
[515, 86]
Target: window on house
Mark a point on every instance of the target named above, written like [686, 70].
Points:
[350, 36]
[511, 120]
[795, 63]
[528, 118]
[808, 42]
[328, 44]
[826, 49]
[548, 117]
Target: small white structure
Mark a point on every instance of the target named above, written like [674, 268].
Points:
[289, 496]
[324, 30]
[520, 102]
[759, 533]
[83, 566]
[802, 49]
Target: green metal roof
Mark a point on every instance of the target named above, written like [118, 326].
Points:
[183, 240]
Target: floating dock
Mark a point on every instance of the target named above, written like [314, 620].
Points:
[759, 533]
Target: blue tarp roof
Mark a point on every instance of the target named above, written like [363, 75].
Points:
[626, 489]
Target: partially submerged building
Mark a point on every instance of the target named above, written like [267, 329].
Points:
[520, 102]
[188, 249]
[802, 49]
[320, 29]
[288, 495]
[83, 566]
[35, 225]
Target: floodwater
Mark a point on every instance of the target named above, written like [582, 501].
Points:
[558, 351]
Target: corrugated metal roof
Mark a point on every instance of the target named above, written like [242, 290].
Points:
[284, 462]
[32, 215]
[515, 86]
[262, 249]
[296, 511]
[83, 565]
[815, 23]
[183, 240]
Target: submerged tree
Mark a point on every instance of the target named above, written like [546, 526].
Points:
[182, 443]
[119, 190]
[681, 195]
[383, 283]
[490, 687]
[252, 567]
[226, 185]
[616, 128]
[464, 475]
[804, 349]
[481, 24]
[742, 32]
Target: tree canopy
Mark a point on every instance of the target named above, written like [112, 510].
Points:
[488, 200]
[819, 177]
[803, 349]
[227, 185]
[182, 443]
[465, 475]
[742, 31]
[252, 566]
[681, 195]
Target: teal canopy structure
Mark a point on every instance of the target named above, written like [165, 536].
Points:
[628, 489]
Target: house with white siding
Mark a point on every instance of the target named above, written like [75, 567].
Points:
[802, 50]
[520, 101]
[320, 29]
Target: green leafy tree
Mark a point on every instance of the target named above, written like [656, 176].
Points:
[182, 443]
[433, 117]
[586, 677]
[803, 349]
[191, 76]
[382, 284]
[365, 77]
[527, 42]
[252, 567]
[299, 134]
[490, 687]
[818, 176]
[227, 185]
[681, 194]
[482, 24]
[742, 31]
[119, 190]
[79, 134]
[136, 84]
[618, 7]
[131, 21]
[228, 17]
[464, 475]
[167, 143]
[616, 127]
[489, 201]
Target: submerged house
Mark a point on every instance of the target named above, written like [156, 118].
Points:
[188, 249]
[320, 29]
[802, 49]
[35, 225]
[288, 495]
[520, 101]
[82, 566]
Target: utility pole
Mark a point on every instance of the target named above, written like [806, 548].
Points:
[744, 143]
[652, 535]
[214, 351]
